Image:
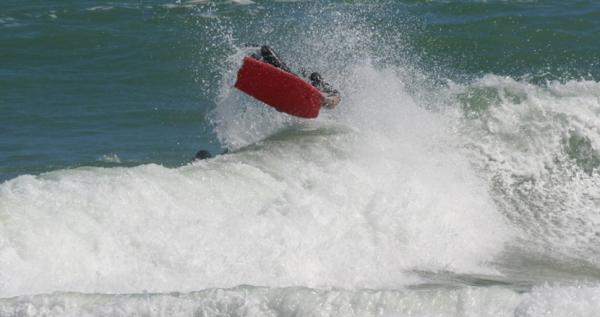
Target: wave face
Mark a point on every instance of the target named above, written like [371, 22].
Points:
[382, 190]
[537, 145]
[437, 187]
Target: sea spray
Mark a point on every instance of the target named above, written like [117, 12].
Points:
[356, 201]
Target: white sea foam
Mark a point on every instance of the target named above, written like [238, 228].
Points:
[357, 199]
[249, 301]
[559, 301]
[110, 158]
[243, 2]
[100, 8]
[574, 300]
[540, 147]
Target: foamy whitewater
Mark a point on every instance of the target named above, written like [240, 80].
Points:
[415, 197]
[355, 202]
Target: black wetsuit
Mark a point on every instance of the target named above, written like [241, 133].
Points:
[268, 55]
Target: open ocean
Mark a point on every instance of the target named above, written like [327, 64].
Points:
[459, 176]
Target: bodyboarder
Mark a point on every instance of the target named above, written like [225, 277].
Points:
[330, 96]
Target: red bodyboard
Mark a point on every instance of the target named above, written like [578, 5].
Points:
[283, 91]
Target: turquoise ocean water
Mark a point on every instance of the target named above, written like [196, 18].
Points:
[459, 176]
